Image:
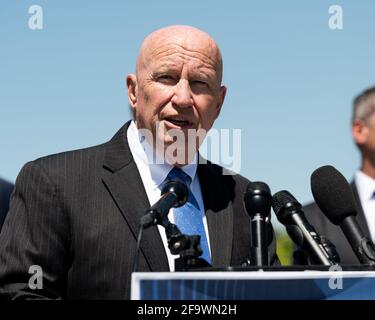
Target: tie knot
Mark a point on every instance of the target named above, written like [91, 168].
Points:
[178, 174]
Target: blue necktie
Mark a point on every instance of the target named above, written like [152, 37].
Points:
[188, 217]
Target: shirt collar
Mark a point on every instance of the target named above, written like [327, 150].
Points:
[159, 169]
[365, 185]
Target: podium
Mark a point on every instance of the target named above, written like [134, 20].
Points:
[255, 285]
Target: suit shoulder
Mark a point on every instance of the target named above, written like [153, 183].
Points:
[65, 165]
[65, 157]
[5, 186]
[81, 157]
[241, 181]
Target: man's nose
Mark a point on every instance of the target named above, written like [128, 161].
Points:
[183, 96]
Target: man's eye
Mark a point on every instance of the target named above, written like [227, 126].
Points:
[200, 87]
[199, 83]
[165, 78]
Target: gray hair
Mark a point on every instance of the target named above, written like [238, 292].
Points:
[364, 105]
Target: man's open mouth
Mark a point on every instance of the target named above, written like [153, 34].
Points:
[178, 122]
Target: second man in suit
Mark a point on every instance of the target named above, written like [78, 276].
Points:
[363, 185]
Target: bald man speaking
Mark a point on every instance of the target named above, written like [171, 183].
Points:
[74, 216]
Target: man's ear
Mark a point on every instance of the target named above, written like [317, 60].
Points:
[359, 132]
[131, 83]
[222, 93]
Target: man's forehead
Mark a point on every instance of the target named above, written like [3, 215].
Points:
[193, 69]
[180, 34]
[193, 50]
[186, 47]
[175, 56]
[185, 40]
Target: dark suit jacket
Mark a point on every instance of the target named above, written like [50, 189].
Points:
[6, 189]
[76, 214]
[334, 233]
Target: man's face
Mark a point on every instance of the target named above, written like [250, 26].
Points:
[370, 135]
[364, 134]
[178, 88]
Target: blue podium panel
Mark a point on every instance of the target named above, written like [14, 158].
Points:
[258, 285]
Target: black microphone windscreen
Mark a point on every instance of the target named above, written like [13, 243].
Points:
[257, 198]
[333, 194]
[280, 199]
[179, 189]
[257, 186]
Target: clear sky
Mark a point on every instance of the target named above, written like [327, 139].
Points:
[290, 78]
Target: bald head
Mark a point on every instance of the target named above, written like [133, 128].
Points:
[177, 86]
[186, 38]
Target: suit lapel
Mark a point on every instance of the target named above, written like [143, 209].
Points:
[361, 215]
[126, 188]
[219, 214]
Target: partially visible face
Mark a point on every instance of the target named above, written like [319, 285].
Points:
[370, 135]
[178, 86]
[364, 135]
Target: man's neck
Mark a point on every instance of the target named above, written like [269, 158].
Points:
[368, 167]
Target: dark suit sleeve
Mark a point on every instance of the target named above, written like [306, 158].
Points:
[5, 192]
[35, 232]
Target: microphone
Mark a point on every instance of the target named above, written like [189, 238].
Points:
[300, 258]
[173, 194]
[289, 212]
[331, 249]
[334, 197]
[258, 205]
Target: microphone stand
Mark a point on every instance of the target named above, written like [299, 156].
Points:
[174, 194]
[187, 246]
